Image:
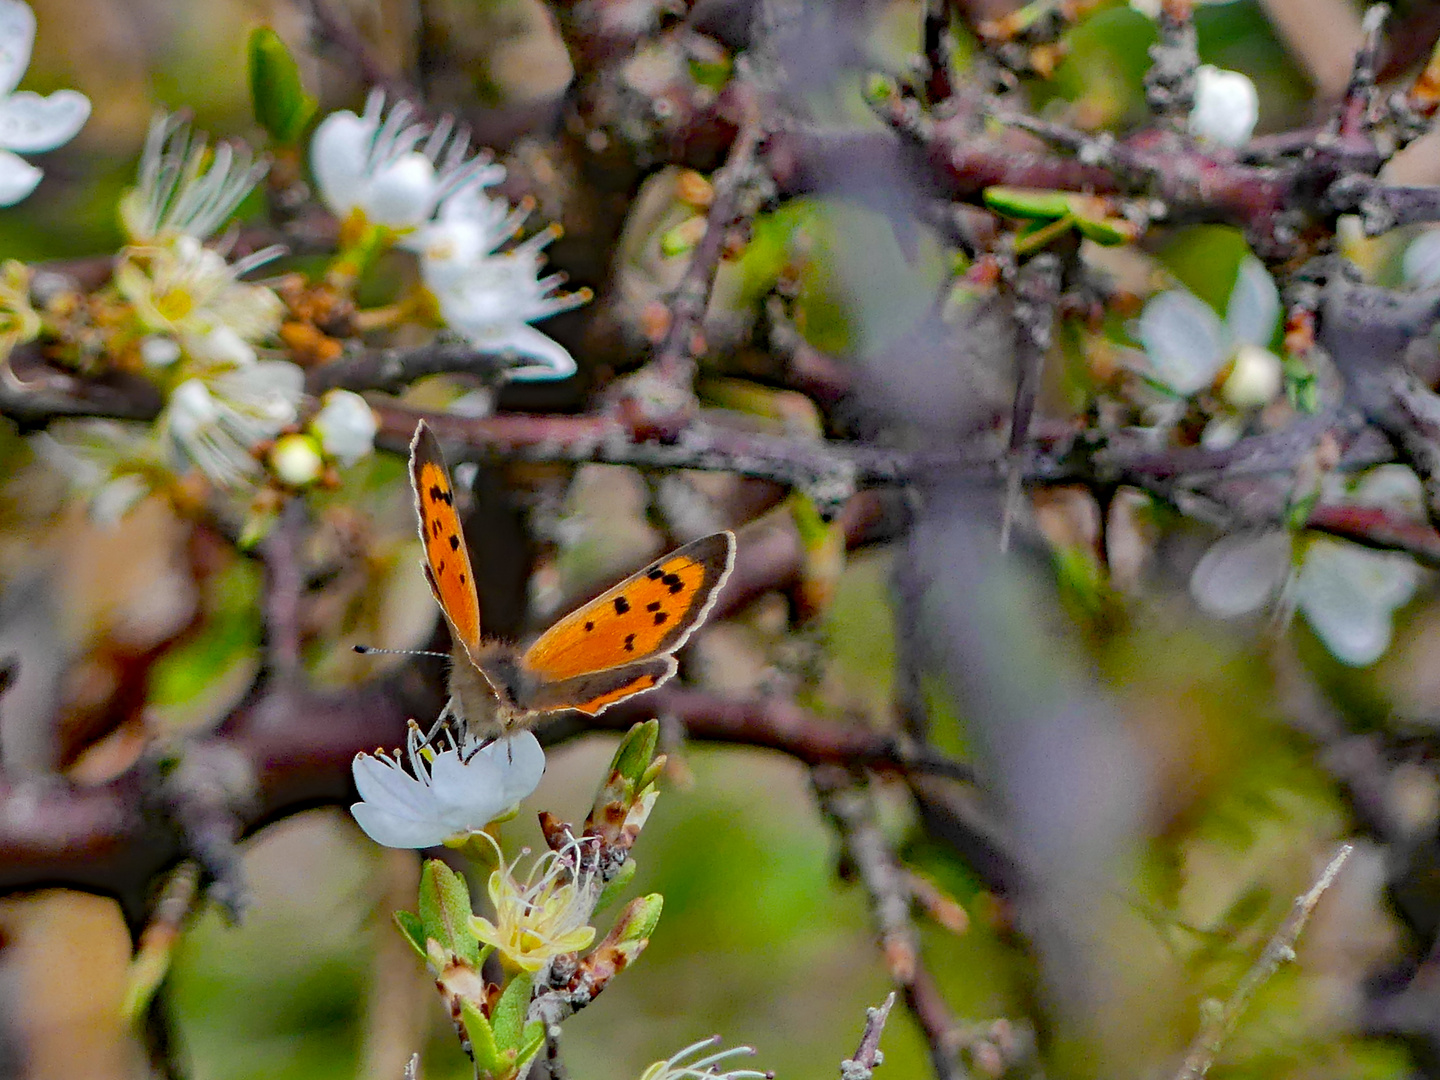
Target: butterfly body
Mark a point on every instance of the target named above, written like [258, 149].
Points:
[618, 645]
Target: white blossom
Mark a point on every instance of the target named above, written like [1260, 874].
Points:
[1421, 264]
[1226, 106]
[346, 426]
[1347, 593]
[393, 172]
[1188, 345]
[29, 122]
[445, 795]
[295, 460]
[493, 299]
[215, 421]
[185, 188]
[189, 292]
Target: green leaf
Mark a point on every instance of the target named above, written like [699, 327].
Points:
[508, 1016]
[488, 1061]
[632, 756]
[445, 911]
[413, 929]
[282, 106]
[1037, 203]
[534, 1042]
[640, 919]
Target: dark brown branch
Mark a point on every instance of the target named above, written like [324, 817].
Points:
[391, 370]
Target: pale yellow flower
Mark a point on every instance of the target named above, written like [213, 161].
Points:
[544, 916]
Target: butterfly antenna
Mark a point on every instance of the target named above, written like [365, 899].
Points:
[370, 650]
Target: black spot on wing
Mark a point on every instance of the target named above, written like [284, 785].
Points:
[660, 618]
[621, 605]
[654, 605]
[655, 574]
[454, 542]
[629, 642]
[589, 625]
[439, 494]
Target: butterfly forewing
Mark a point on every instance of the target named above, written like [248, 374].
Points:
[447, 562]
[646, 615]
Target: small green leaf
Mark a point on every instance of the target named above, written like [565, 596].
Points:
[1109, 231]
[633, 755]
[616, 885]
[508, 1016]
[413, 929]
[488, 1061]
[640, 918]
[282, 106]
[1037, 203]
[533, 1042]
[445, 911]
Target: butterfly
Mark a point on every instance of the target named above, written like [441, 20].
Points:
[618, 645]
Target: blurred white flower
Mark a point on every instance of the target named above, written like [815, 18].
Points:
[1347, 593]
[1226, 106]
[346, 426]
[215, 421]
[188, 291]
[492, 299]
[1188, 346]
[19, 321]
[703, 1068]
[29, 122]
[185, 188]
[468, 227]
[445, 796]
[393, 172]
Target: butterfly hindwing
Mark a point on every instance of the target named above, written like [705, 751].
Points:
[595, 691]
[447, 562]
[647, 615]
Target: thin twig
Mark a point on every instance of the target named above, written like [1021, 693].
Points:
[1278, 950]
[867, 1055]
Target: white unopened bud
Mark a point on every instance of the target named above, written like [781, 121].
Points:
[346, 426]
[1226, 106]
[1255, 378]
[296, 460]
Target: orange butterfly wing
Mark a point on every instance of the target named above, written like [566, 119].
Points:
[647, 615]
[447, 561]
[593, 692]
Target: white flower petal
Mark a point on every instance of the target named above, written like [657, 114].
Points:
[1395, 487]
[1241, 572]
[1254, 305]
[339, 150]
[1255, 378]
[384, 783]
[1421, 264]
[524, 764]
[31, 123]
[18, 178]
[17, 38]
[1184, 340]
[552, 359]
[402, 194]
[394, 830]
[1348, 594]
[1226, 106]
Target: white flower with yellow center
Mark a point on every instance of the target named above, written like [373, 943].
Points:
[545, 915]
[446, 795]
[214, 422]
[389, 171]
[29, 122]
[188, 291]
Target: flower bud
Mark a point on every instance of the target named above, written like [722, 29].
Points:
[1255, 378]
[1226, 106]
[346, 426]
[296, 460]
